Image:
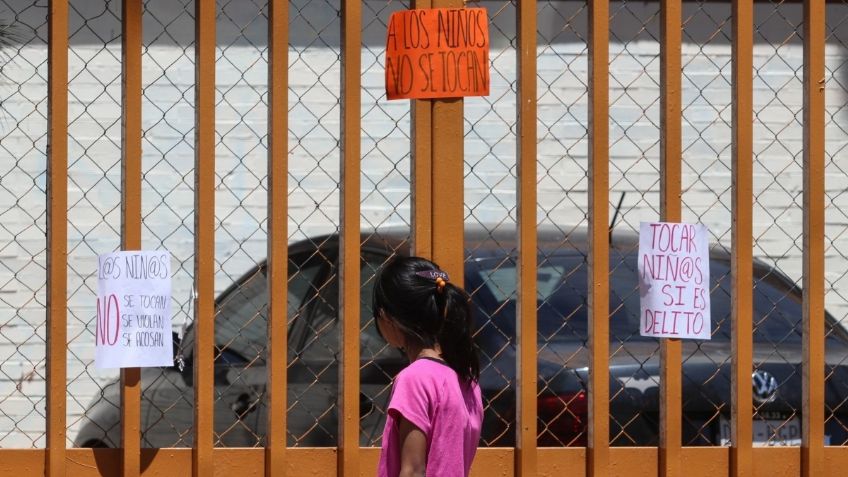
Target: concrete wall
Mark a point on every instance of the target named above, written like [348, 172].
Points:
[168, 155]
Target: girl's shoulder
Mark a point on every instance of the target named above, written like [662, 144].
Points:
[427, 364]
[427, 369]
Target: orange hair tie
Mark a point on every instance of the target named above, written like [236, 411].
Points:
[440, 284]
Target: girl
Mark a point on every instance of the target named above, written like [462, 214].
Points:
[435, 410]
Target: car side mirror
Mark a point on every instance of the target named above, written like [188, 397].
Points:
[366, 405]
[182, 362]
[177, 350]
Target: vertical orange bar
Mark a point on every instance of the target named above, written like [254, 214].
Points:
[741, 307]
[204, 241]
[447, 195]
[422, 175]
[812, 414]
[422, 170]
[57, 234]
[131, 26]
[598, 451]
[349, 243]
[447, 133]
[670, 192]
[525, 455]
[277, 273]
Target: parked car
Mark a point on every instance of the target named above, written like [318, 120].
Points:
[314, 349]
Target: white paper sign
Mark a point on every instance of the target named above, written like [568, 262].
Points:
[134, 310]
[674, 277]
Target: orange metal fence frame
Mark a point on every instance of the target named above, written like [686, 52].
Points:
[742, 240]
[275, 451]
[437, 148]
[131, 215]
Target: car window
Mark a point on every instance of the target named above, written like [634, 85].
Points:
[777, 305]
[321, 339]
[562, 299]
[241, 324]
[240, 318]
[317, 329]
[371, 344]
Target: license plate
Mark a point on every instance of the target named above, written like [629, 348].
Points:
[768, 432]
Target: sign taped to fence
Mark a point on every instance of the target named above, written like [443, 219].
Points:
[134, 310]
[674, 277]
[437, 53]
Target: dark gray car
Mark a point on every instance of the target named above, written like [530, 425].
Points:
[313, 346]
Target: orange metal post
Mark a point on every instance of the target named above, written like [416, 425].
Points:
[422, 170]
[525, 455]
[741, 399]
[277, 274]
[447, 132]
[204, 242]
[597, 463]
[670, 159]
[57, 234]
[812, 414]
[131, 25]
[349, 244]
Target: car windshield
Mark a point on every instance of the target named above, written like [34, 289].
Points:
[562, 299]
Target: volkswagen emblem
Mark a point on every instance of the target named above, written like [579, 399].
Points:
[764, 387]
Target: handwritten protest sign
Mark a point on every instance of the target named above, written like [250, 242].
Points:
[437, 53]
[674, 277]
[134, 310]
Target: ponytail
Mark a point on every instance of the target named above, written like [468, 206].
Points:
[429, 310]
[455, 334]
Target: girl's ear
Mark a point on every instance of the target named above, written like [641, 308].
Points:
[389, 330]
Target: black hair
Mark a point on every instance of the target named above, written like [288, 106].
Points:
[428, 311]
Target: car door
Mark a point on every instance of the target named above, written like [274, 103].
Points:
[314, 349]
[240, 335]
[313, 352]
[314, 367]
[309, 389]
[240, 316]
[240, 375]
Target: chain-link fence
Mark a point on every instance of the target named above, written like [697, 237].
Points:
[836, 201]
[490, 216]
[635, 182]
[23, 127]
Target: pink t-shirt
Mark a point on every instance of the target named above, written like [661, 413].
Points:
[429, 394]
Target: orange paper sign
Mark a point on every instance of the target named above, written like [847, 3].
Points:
[437, 53]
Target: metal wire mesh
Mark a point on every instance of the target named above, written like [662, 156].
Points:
[385, 211]
[489, 212]
[168, 199]
[94, 190]
[706, 149]
[563, 209]
[778, 82]
[836, 201]
[634, 170]
[23, 121]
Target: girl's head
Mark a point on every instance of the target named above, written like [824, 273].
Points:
[428, 310]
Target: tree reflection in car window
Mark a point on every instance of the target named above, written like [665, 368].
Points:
[371, 345]
[240, 316]
[321, 341]
[777, 306]
[562, 299]
[241, 324]
[319, 337]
